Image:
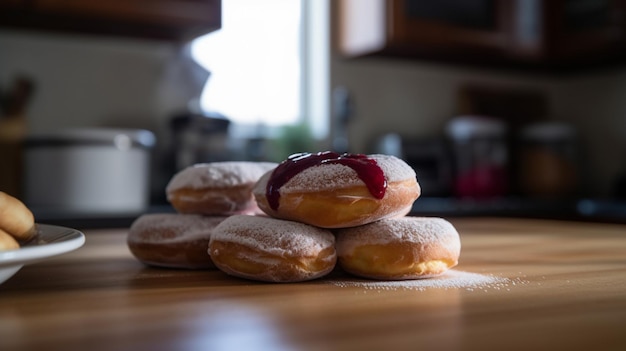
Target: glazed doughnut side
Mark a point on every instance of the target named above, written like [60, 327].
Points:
[7, 242]
[333, 195]
[15, 218]
[218, 188]
[173, 240]
[273, 250]
[401, 248]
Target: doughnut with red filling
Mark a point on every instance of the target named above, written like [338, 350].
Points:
[330, 190]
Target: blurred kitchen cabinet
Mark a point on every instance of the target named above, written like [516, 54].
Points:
[431, 29]
[580, 32]
[158, 19]
[522, 33]
[12, 3]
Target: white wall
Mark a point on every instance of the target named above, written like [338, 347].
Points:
[416, 99]
[413, 98]
[93, 81]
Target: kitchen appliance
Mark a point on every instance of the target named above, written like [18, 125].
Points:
[429, 157]
[88, 171]
[481, 156]
[549, 160]
[199, 138]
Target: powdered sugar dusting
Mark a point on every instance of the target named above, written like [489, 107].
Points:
[163, 228]
[452, 279]
[395, 169]
[418, 230]
[274, 236]
[219, 174]
[334, 175]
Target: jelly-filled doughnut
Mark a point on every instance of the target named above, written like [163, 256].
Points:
[331, 190]
[172, 239]
[218, 188]
[272, 250]
[399, 248]
[15, 218]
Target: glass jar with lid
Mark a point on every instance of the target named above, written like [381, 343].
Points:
[481, 156]
[548, 160]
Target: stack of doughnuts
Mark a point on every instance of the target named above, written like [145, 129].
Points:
[308, 214]
[203, 195]
[17, 223]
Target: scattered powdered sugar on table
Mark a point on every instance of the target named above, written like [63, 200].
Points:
[452, 279]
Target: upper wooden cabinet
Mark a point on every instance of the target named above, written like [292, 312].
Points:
[158, 19]
[552, 34]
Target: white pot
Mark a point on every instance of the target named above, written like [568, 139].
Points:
[88, 171]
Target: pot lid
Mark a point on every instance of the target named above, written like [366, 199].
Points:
[468, 127]
[120, 138]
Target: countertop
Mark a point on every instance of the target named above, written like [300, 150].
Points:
[546, 285]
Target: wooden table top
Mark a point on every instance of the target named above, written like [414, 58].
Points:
[551, 285]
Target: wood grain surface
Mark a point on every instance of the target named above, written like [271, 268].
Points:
[560, 286]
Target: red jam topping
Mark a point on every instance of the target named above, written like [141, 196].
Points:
[366, 168]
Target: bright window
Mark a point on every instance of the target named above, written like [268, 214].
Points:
[255, 62]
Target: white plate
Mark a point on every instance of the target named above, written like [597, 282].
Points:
[50, 240]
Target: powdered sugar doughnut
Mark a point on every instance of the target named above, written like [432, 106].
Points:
[330, 190]
[273, 250]
[173, 240]
[218, 188]
[400, 248]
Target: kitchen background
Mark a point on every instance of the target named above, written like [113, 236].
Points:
[393, 89]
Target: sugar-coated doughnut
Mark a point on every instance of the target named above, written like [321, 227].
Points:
[7, 242]
[330, 190]
[15, 218]
[272, 250]
[172, 239]
[218, 188]
[400, 248]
